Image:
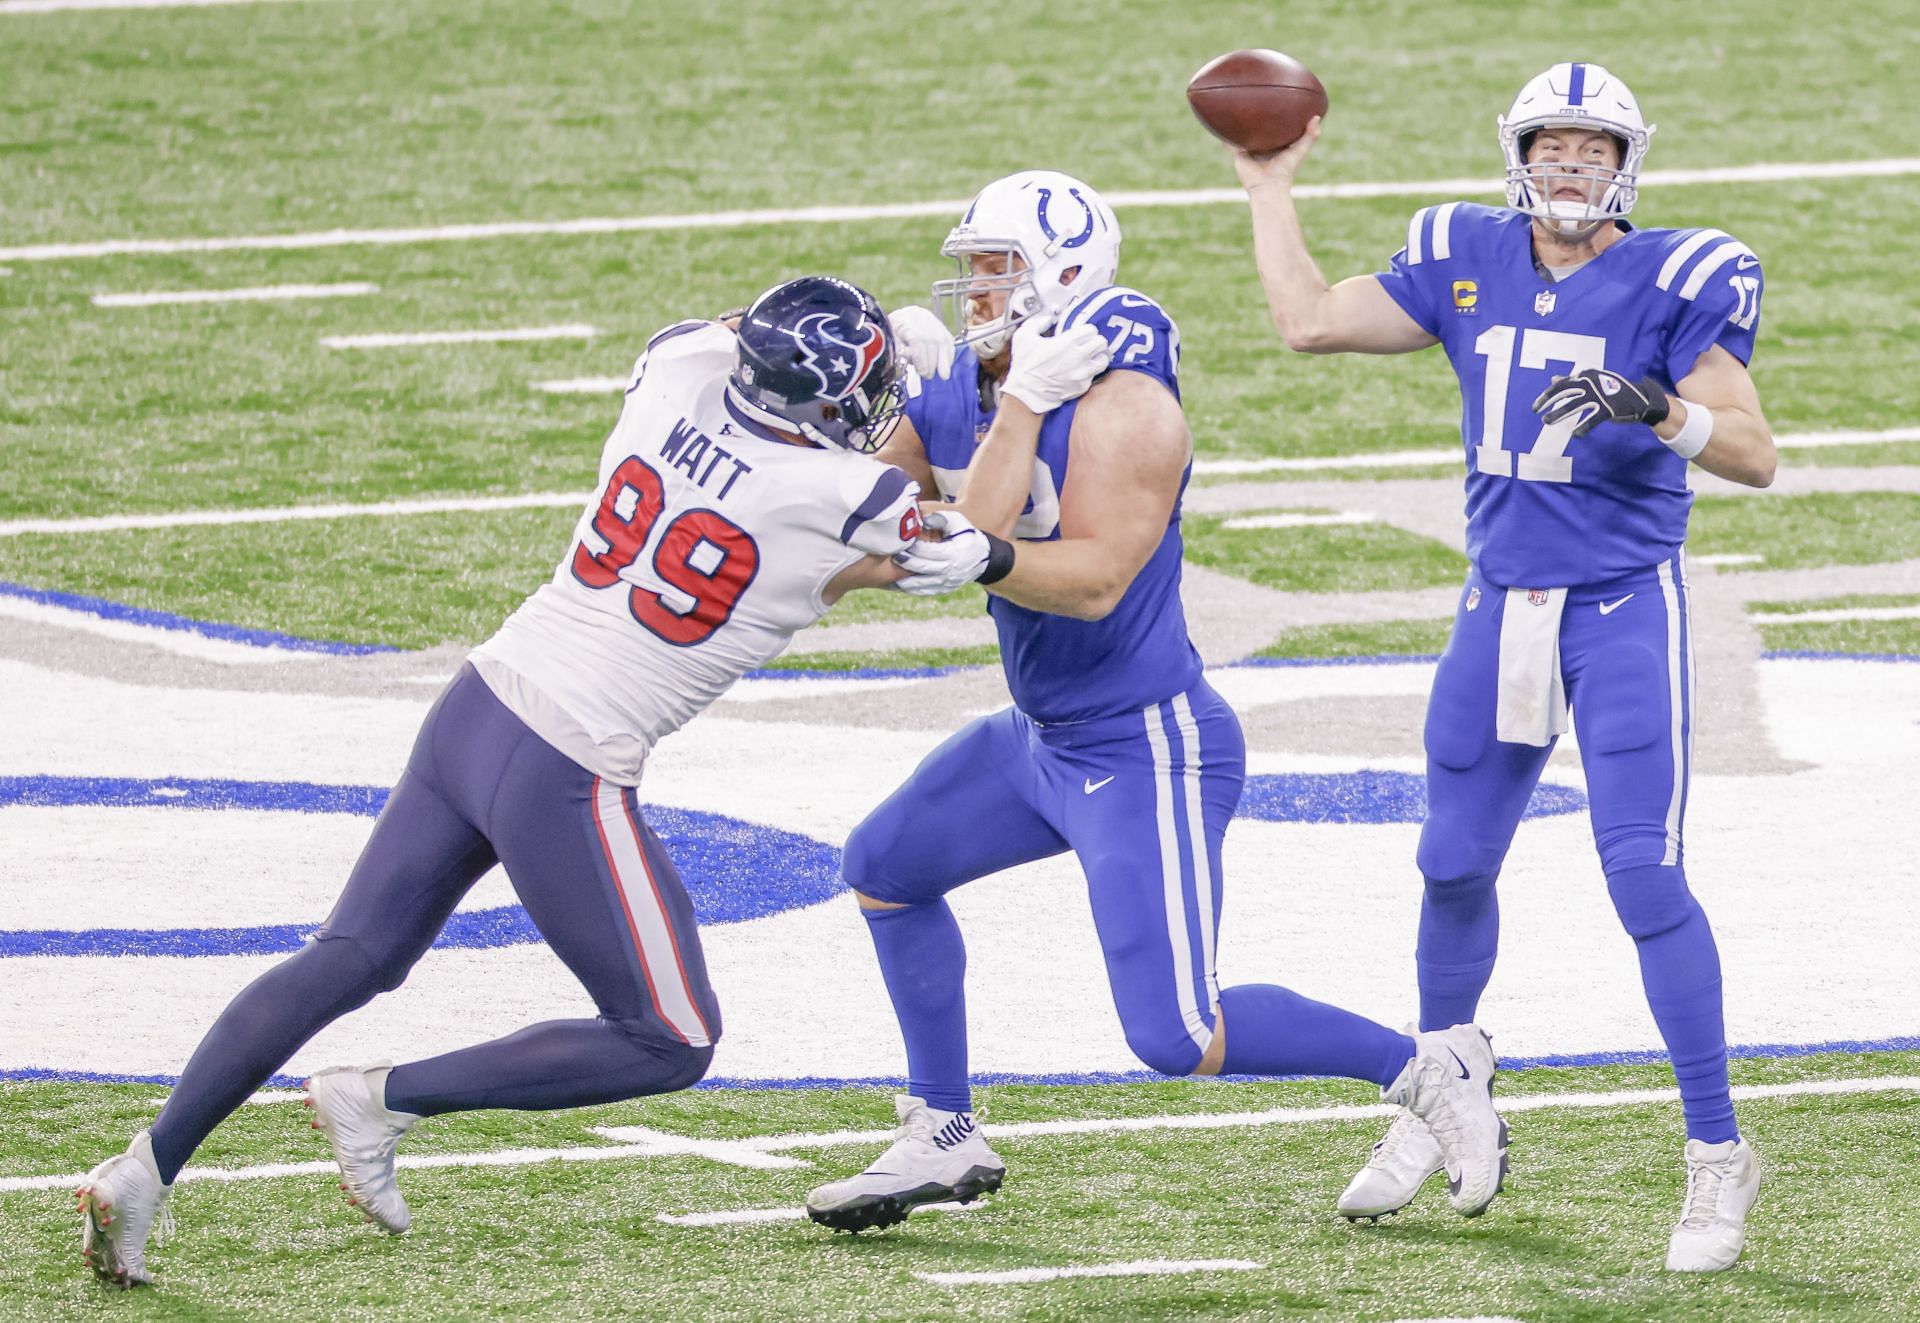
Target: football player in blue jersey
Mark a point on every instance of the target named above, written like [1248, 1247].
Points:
[1064, 500]
[1596, 361]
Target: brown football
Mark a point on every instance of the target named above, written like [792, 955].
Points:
[1259, 101]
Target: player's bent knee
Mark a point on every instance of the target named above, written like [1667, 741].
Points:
[358, 970]
[1651, 901]
[1165, 1051]
[1457, 889]
[1451, 854]
[669, 1062]
[689, 1065]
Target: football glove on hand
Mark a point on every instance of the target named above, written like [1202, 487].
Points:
[1599, 396]
[1049, 370]
[953, 562]
[925, 342]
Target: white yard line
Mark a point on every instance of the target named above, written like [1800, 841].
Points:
[1137, 1268]
[583, 386]
[1380, 459]
[739, 1216]
[1300, 520]
[727, 220]
[520, 1157]
[258, 294]
[1822, 440]
[56, 6]
[279, 514]
[1729, 558]
[1385, 459]
[1836, 613]
[405, 339]
[541, 500]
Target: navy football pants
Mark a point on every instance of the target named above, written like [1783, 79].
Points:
[481, 788]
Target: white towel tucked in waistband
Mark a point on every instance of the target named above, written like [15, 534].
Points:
[1532, 704]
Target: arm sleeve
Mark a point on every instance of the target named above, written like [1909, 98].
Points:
[886, 513]
[1411, 281]
[1719, 305]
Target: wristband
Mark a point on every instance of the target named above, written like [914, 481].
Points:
[999, 559]
[1694, 433]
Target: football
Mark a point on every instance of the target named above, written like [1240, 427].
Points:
[1256, 100]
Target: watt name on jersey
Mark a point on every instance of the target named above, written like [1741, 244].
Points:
[1545, 510]
[705, 548]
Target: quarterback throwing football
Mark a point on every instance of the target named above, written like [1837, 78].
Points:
[1596, 361]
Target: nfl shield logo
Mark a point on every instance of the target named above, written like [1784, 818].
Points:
[1473, 598]
[1537, 596]
[1543, 303]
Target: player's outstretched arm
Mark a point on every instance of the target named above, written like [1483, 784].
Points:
[1129, 448]
[1739, 444]
[1354, 316]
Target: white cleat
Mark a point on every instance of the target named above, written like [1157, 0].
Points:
[936, 1157]
[1399, 1165]
[1723, 1180]
[121, 1201]
[1449, 1085]
[348, 1106]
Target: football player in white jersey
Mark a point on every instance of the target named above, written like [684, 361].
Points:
[737, 502]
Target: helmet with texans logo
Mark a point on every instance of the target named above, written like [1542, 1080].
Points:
[1574, 95]
[817, 356]
[1060, 229]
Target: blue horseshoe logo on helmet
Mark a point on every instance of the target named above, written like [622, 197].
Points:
[1046, 196]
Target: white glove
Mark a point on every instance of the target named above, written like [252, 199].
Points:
[1049, 370]
[940, 567]
[925, 342]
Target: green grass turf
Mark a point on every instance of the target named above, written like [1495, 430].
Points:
[987, 654]
[1579, 1233]
[1852, 528]
[352, 112]
[207, 406]
[1864, 636]
[1387, 638]
[1351, 558]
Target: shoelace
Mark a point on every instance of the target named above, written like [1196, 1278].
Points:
[1705, 1180]
[1398, 1136]
[162, 1230]
[1441, 1117]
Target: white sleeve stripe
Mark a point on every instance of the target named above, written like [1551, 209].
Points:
[1711, 263]
[1679, 256]
[1443, 232]
[1413, 235]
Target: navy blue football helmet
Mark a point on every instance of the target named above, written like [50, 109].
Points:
[817, 357]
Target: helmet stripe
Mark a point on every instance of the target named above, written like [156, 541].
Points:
[1577, 90]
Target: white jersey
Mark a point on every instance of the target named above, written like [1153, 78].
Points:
[707, 545]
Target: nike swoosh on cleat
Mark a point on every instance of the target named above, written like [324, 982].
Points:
[1093, 785]
[1608, 608]
[1464, 1073]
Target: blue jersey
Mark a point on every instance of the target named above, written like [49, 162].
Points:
[1545, 510]
[1061, 669]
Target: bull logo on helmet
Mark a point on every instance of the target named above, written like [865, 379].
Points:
[840, 364]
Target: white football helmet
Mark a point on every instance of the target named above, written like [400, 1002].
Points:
[1054, 223]
[1578, 96]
